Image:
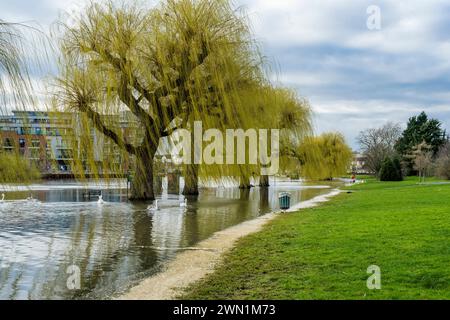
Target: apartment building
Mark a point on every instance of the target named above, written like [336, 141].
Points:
[50, 140]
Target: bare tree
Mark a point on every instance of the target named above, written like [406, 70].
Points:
[443, 162]
[422, 156]
[378, 144]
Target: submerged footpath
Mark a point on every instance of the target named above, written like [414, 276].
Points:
[197, 262]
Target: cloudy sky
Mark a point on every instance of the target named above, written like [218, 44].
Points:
[354, 77]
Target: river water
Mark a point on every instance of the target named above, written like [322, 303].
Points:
[116, 244]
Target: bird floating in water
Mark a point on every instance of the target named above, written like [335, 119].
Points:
[3, 198]
[100, 199]
[31, 199]
[153, 207]
[183, 204]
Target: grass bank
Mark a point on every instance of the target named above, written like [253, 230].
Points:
[324, 252]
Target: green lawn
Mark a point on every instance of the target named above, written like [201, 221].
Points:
[324, 252]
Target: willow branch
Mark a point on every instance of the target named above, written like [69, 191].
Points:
[95, 117]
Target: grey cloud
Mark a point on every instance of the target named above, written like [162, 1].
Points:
[355, 78]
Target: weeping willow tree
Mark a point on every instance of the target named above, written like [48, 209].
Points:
[14, 168]
[15, 86]
[294, 118]
[19, 53]
[324, 157]
[276, 108]
[266, 108]
[168, 66]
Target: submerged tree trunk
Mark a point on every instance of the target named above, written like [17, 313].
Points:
[245, 183]
[264, 200]
[173, 183]
[142, 184]
[191, 170]
[191, 180]
[157, 184]
[264, 181]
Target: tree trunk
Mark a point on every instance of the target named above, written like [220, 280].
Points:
[191, 170]
[245, 183]
[191, 180]
[264, 181]
[264, 200]
[173, 183]
[142, 184]
[157, 184]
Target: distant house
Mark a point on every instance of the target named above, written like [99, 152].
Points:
[358, 163]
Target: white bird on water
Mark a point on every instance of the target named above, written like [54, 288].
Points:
[183, 204]
[3, 198]
[153, 207]
[31, 199]
[100, 199]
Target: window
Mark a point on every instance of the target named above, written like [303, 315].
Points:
[49, 152]
[35, 143]
[66, 154]
[8, 143]
[34, 154]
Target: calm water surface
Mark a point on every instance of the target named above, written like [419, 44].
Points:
[116, 244]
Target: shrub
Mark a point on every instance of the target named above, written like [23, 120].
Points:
[398, 168]
[14, 168]
[391, 170]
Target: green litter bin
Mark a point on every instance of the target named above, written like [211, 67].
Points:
[285, 200]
